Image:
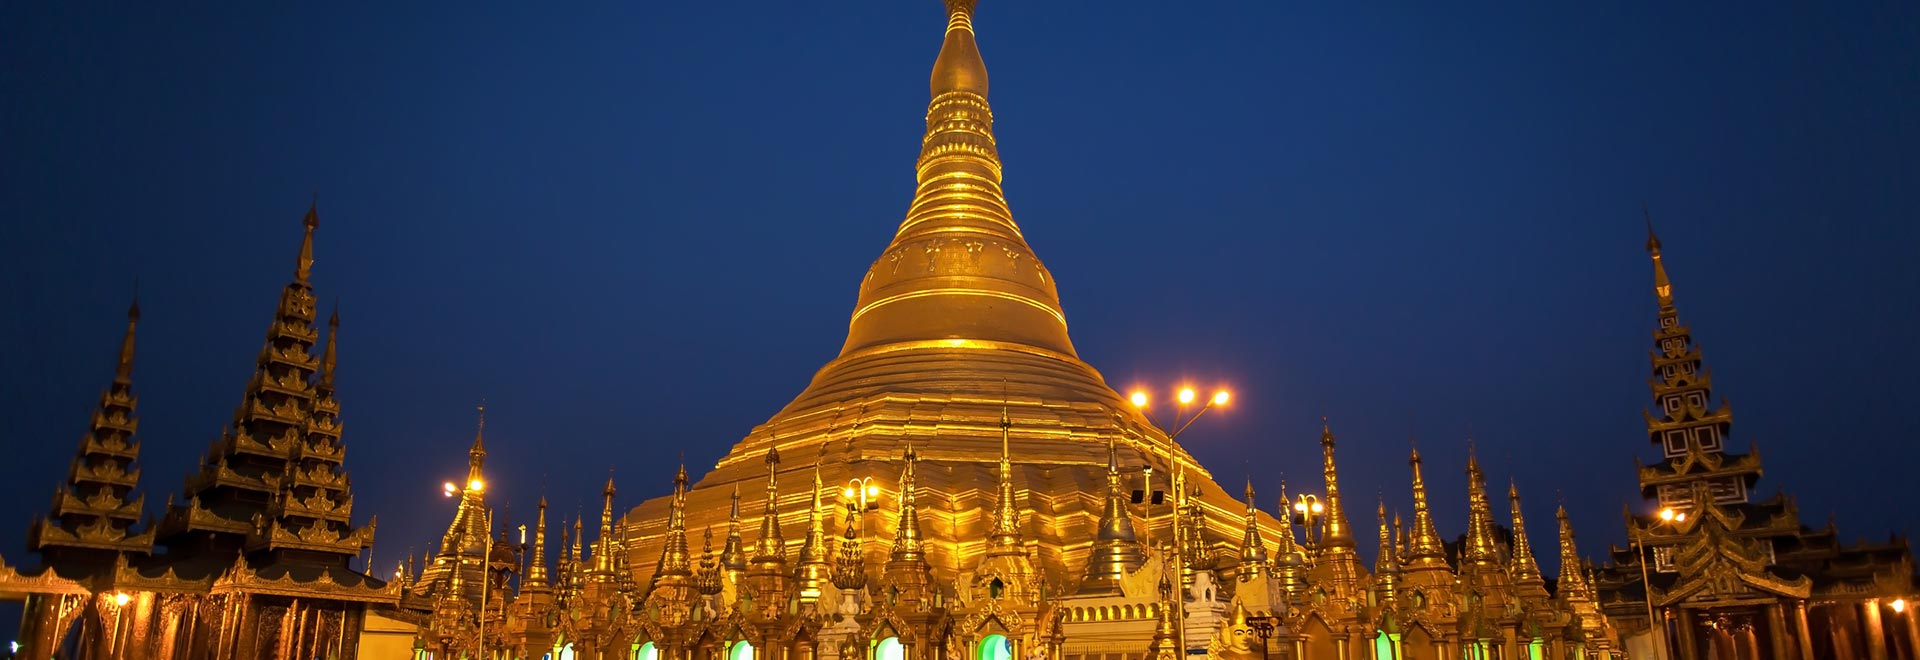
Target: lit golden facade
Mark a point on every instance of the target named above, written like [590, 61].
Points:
[256, 563]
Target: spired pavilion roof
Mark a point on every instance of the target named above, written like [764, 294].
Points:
[956, 320]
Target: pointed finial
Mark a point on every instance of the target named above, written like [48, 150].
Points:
[123, 371]
[1653, 241]
[312, 221]
[329, 358]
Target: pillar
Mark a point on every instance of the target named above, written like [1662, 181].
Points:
[1689, 646]
[1911, 622]
[1876, 635]
[1803, 634]
[1777, 633]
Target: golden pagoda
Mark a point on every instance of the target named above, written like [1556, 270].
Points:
[957, 326]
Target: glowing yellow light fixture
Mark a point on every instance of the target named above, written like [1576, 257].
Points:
[1139, 399]
[476, 485]
[847, 493]
[1220, 398]
[1186, 395]
[121, 598]
[1680, 517]
[449, 488]
[1666, 514]
[1899, 605]
[872, 490]
[1300, 506]
[1317, 508]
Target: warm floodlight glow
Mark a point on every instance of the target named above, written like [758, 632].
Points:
[476, 485]
[1899, 605]
[873, 491]
[1300, 506]
[448, 488]
[847, 493]
[1666, 514]
[1186, 395]
[1139, 399]
[1317, 508]
[121, 598]
[1220, 398]
[1680, 517]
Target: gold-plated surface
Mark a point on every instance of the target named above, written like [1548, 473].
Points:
[957, 345]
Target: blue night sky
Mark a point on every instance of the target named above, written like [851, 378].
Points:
[636, 229]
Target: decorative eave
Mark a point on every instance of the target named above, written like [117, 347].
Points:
[1696, 464]
[104, 473]
[96, 535]
[222, 474]
[115, 446]
[1689, 416]
[12, 581]
[318, 537]
[102, 505]
[242, 580]
[196, 518]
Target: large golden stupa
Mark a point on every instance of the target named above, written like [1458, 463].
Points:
[957, 321]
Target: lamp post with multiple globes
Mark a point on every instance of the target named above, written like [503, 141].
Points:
[1656, 628]
[1308, 508]
[1182, 419]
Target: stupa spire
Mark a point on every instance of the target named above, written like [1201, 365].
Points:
[1291, 564]
[1524, 568]
[959, 268]
[733, 557]
[537, 571]
[906, 535]
[604, 545]
[1004, 536]
[1338, 534]
[1115, 550]
[1573, 583]
[1425, 549]
[477, 454]
[304, 267]
[849, 566]
[1480, 546]
[771, 546]
[1386, 568]
[96, 508]
[813, 569]
[673, 553]
[1253, 549]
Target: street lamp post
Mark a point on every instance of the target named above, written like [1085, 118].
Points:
[1656, 629]
[1309, 508]
[1180, 422]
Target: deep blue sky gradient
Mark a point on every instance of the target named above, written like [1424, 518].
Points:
[637, 228]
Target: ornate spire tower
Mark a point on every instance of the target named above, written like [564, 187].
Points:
[1338, 536]
[1527, 581]
[95, 511]
[958, 318]
[1253, 549]
[273, 480]
[814, 569]
[1115, 550]
[463, 545]
[907, 570]
[1003, 537]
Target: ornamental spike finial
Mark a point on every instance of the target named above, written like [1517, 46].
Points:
[1115, 551]
[477, 455]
